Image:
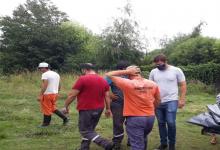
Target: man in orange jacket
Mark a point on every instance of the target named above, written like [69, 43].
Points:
[141, 96]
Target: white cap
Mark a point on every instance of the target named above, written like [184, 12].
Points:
[43, 65]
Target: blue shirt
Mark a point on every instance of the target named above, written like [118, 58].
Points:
[116, 91]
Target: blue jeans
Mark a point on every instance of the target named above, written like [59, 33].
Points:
[166, 116]
[137, 129]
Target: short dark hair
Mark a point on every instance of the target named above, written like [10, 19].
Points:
[160, 57]
[123, 64]
[87, 66]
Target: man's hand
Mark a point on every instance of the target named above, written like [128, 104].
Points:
[133, 70]
[108, 113]
[65, 110]
[113, 96]
[181, 103]
[39, 98]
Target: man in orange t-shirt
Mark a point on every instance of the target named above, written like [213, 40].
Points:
[141, 96]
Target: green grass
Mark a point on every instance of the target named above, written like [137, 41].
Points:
[20, 115]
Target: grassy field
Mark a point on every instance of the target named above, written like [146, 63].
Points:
[20, 116]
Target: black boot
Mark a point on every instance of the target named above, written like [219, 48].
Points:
[117, 146]
[61, 115]
[46, 121]
[104, 143]
[172, 147]
[162, 147]
[85, 145]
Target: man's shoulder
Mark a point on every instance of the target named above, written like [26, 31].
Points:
[92, 77]
[176, 69]
[154, 70]
[150, 82]
[50, 74]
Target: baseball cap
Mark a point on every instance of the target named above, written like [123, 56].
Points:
[43, 65]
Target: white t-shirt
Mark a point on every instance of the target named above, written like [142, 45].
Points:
[53, 79]
[167, 80]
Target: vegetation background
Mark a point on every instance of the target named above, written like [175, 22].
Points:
[37, 31]
[20, 117]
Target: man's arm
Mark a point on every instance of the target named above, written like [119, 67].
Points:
[157, 98]
[71, 97]
[113, 96]
[59, 88]
[44, 85]
[131, 71]
[107, 104]
[151, 76]
[182, 99]
[117, 73]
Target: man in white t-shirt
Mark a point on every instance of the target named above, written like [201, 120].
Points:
[169, 79]
[49, 94]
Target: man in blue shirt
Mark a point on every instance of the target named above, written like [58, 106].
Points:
[117, 105]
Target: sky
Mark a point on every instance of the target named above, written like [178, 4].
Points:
[157, 18]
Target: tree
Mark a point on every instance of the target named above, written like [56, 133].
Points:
[122, 40]
[198, 50]
[185, 49]
[32, 35]
[87, 42]
[197, 30]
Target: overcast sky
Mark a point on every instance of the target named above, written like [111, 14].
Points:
[160, 17]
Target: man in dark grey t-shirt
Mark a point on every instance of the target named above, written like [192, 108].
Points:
[117, 105]
[169, 79]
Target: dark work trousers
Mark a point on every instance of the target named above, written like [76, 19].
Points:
[138, 129]
[118, 122]
[88, 120]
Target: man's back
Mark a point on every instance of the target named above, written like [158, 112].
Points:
[139, 95]
[92, 89]
[53, 79]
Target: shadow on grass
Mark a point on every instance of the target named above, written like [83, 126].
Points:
[50, 131]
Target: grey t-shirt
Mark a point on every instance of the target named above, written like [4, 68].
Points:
[167, 81]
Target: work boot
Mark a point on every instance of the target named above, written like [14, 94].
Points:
[66, 121]
[117, 146]
[61, 115]
[46, 121]
[128, 143]
[162, 147]
[171, 146]
[110, 146]
[85, 145]
[103, 143]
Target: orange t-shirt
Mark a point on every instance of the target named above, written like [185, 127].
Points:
[139, 96]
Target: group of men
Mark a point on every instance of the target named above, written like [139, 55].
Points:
[133, 101]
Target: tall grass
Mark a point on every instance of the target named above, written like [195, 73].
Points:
[20, 115]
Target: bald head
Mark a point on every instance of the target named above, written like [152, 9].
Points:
[134, 68]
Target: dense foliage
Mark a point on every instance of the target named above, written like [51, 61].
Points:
[189, 49]
[32, 35]
[37, 31]
[122, 41]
